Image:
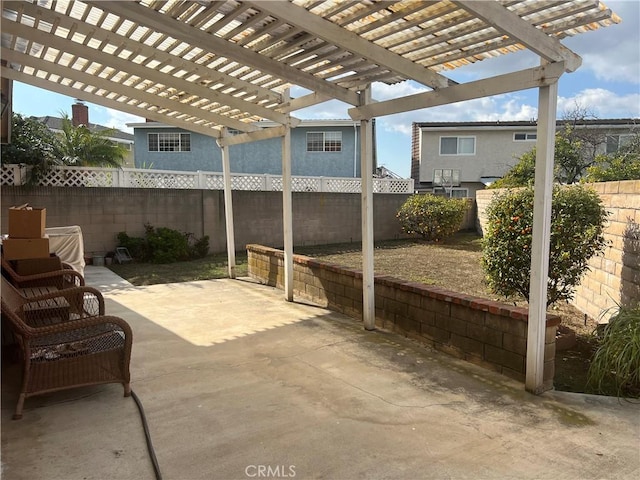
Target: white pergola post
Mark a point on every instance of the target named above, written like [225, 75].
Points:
[228, 208]
[287, 213]
[366, 174]
[547, 104]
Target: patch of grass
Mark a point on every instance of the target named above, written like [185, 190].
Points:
[454, 263]
[207, 268]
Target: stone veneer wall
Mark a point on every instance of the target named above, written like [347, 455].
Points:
[613, 278]
[481, 331]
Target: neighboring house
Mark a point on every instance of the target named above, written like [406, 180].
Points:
[461, 158]
[319, 148]
[80, 116]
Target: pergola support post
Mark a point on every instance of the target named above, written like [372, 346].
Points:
[228, 208]
[366, 174]
[547, 105]
[287, 215]
[287, 212]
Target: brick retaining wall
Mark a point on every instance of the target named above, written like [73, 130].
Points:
[481, 331]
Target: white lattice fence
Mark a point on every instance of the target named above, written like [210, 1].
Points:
[161, 179]
[343, 185]
[11, 175]
[142, 178]
[390, 185]
[78, 177]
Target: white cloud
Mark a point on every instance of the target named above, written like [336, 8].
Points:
[613, 53]
[113, 118]
[602, 103]
[331, 110]
[382, 91]
[500, 107]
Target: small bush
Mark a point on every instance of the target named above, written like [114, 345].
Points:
[200, 247]
[576, 235]
[164, 245]
[615, 367]
[432, 217]
[137, 246]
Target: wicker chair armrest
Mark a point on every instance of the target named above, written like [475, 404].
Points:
[82, 323]
[73, 297]
[78, 279]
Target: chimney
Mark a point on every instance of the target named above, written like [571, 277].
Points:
[79, 114]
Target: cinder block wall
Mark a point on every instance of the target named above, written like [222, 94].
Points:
[319, 218]
[478, 330]
[613, 278]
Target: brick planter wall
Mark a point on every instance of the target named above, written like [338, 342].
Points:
[487, 333]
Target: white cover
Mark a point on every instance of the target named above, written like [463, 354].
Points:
[67, 243]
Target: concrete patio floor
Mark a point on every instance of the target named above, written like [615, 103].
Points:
[237, 383]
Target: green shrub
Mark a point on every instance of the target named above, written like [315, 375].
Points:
[621, 165]
[164, 245]
[137, 246]
[615, 367]
[432, 217]
[200, 247]
[577, 225]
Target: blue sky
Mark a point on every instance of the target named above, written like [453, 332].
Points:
[607, 85]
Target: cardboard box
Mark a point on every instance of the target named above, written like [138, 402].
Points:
[25, 223]
[19, 248]
[34, 266]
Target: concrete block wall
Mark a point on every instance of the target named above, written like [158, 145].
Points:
[481, 331]
[614, 277]
[318, 218]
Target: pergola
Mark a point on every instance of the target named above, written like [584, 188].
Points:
[206, 66]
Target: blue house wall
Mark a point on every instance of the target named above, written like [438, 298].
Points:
[260, 157]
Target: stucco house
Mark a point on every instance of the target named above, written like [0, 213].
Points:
[463, 157]
[329, 148]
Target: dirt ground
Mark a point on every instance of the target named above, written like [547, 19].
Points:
[455, 264]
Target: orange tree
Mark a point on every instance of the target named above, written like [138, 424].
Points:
[577, 225]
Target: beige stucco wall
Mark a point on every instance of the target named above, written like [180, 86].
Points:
[496, 152]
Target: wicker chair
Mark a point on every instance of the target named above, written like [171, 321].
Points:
[63, 345]
[60, 278]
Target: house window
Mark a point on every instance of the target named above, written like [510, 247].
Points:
[324, 141]
[524, 137]
[169, 142]
[457, 145]
[616, 142]
[446, 177]
[459, 193]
